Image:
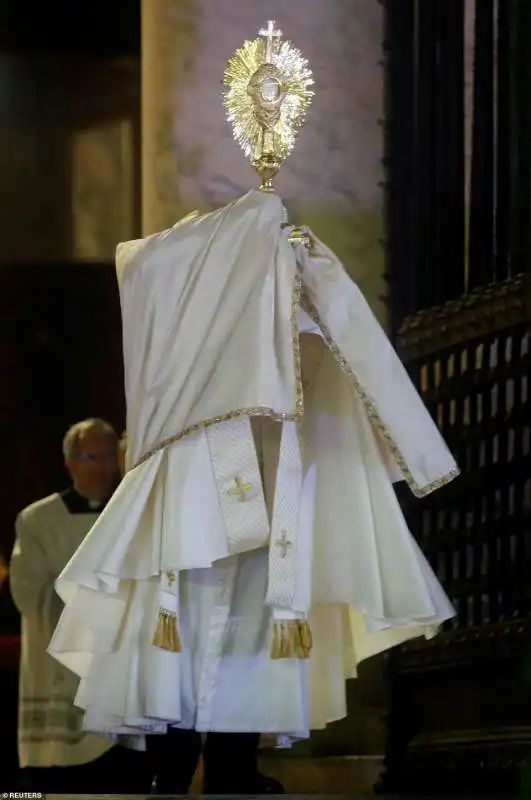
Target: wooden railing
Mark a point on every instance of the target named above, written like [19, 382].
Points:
[460, 715]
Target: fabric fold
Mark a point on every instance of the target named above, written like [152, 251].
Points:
[379, 378]
[241, 572]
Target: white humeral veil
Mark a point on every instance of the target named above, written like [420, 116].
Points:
[267, 418]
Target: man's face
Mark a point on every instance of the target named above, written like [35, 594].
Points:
[94, 469]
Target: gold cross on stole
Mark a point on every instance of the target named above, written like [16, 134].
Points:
[240, 489]
[171, 578]
[283, 544]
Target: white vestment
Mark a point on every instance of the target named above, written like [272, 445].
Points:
[50, 730]
[267, 417]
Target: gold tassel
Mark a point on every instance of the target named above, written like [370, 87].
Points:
[291, 639]
[166, 635]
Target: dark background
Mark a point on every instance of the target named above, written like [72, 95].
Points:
[100, 28]
[61, 70]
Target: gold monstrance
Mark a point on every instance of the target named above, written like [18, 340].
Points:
[267, 98]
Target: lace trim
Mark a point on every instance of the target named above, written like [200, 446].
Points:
[299, 299]
[372, 412]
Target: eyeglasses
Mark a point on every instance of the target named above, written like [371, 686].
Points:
[98, 458]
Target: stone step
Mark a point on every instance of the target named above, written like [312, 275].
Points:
[350, 775]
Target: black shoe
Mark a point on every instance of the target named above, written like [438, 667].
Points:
[173, 759]
[257, 784]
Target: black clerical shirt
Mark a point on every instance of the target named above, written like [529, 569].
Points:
[77, 504]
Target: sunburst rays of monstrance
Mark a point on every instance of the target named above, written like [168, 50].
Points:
[268, 94]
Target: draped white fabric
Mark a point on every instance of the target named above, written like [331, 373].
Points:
[379, 374]
[206, 310]
[208, 330]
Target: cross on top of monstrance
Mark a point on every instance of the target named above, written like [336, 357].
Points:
[268, 93]
[270, 34]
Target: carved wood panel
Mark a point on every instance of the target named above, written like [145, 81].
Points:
[459, 711]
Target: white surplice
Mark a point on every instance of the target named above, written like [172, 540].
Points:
[268, 416]
[49, 732]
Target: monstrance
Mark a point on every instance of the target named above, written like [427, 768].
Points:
[268, 93]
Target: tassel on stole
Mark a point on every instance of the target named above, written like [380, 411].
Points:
[291, 639]
[166, 634]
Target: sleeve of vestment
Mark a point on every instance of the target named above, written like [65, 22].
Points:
[31, 582]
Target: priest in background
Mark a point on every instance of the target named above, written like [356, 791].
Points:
[9, 617]
[55, 754]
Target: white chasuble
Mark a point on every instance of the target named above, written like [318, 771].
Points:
[255, 551]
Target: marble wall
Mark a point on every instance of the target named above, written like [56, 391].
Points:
[103, 192]
[332, 181]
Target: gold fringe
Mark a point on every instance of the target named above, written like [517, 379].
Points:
[291, 639]
[166, 635]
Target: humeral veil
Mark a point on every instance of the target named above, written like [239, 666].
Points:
[255, 551]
